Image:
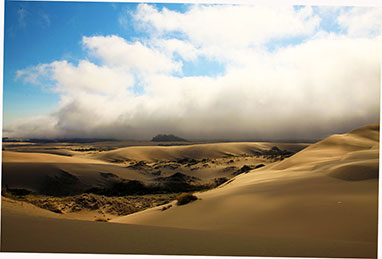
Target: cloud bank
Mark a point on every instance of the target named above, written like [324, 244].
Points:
[283, 76]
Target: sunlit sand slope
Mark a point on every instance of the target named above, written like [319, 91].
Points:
[65, 175]
[23, 157]
[327, 191]
[26, 228]
[321, 202]
[198, 151]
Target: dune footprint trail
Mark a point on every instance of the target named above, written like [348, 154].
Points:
[328, 191]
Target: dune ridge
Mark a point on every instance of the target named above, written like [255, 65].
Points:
[24, 157]
[83, 171]
[317, 193]
[320, 202]
[196, 151]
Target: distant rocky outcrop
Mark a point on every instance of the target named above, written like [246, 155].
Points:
[167, 138]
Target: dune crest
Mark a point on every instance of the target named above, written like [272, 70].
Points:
[313, 203]
[363, 141]
[318, 194]
[24, 157]
[196, 151]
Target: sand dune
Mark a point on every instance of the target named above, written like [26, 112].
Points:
[360, 144]
[197, 151]
[319, 193]
[22, 157]
[54, 174]
[28, 229]
[321, 202]
[63, 178]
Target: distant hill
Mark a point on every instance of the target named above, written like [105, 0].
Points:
[167, 138]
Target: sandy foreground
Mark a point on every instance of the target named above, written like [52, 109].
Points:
[320, 202]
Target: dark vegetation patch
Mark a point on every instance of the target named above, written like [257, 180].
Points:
[244, 169]
[229, 168]
[185, 198]
[101, 219]
[229, 181]
[166, 207]
[179, 182]
[119, 161]
[256, 153]
[85, 149]
[118, 206]
[259, 166]
[275, 152]
[52, 206]
[187, 161]
[15, 191]
[141, 165]
[220, 181]
[168, 166]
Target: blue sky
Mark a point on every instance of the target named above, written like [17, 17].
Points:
[41, 32]
[224, 53]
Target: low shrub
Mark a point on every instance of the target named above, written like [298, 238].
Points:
[185, 198]
[101, 220]
[166, 207]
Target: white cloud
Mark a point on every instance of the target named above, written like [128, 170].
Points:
[226, 25]
[123, 17]
[326, 83]
[34, 75]
[64, 77]
[115, 51]
[90, 77]
[123, 21]
[185, 50]
[362, 21]
[36, 126]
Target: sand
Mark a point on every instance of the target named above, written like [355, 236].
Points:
[197, 151]
[21, 157]
[321, 202]
[35, 171]
[26, 230]
[323, 192]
